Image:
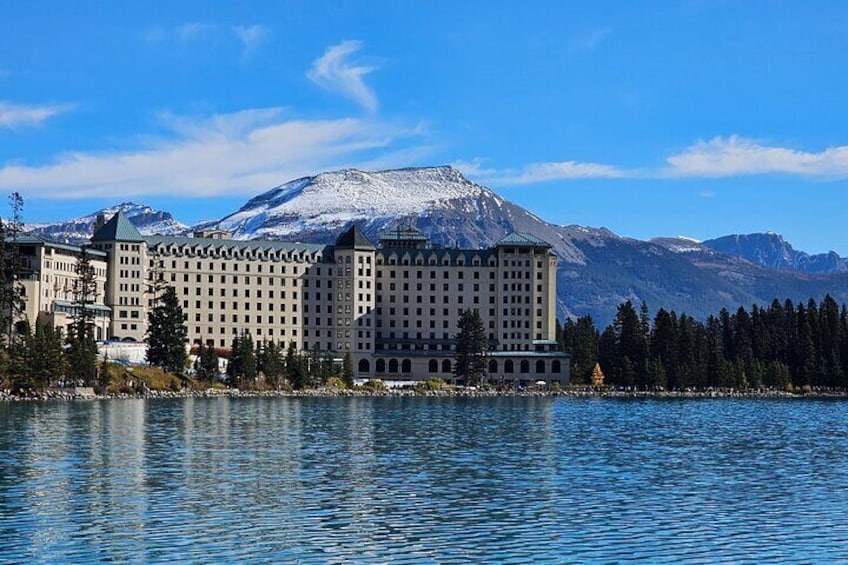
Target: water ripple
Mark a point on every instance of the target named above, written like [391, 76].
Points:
[416, 480]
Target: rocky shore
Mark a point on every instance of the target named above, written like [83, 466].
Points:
[64, 394]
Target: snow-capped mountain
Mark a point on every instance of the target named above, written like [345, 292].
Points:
[597, 271]
[771, 250]
[146, 219]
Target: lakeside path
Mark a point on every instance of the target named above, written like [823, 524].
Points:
[582, 392]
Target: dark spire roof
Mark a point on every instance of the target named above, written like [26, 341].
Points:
[119, 228]
[353, 238]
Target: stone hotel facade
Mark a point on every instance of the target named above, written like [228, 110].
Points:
[394, 306]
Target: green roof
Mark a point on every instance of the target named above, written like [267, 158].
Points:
[29, 239]
[522, 240]
[211, 243]
[119, 228]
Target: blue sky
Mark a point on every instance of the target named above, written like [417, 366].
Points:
[696, 118]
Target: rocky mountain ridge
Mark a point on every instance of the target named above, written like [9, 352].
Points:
[597, 269]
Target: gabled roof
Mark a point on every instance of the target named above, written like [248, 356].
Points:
[353, 238]
[119, 228]
[516, 239]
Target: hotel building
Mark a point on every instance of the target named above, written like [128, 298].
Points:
[394, 306]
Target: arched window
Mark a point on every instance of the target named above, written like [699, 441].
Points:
[364, 366]
[525, 366]
[406, 366]
[434, 366]
[493, 366]
[540, 366]
[508, 366]
[556, 367]
[381, 365]
[446, 366]
[393, 365]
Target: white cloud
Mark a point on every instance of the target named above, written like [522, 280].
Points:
[194, 30]
[719, 157]
[589, 41]
[474, 168]
[21, 115]
[736, 156]
[334, 71]
[544, 172]
[243, 152]
[251, 37]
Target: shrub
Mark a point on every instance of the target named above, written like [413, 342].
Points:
[335, 383]
[374, 384]
[433, 384]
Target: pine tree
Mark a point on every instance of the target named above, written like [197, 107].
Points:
[471, 345]
[206, 366]
[328, 368]
[166, 333]
[314, 367]
[271, 363]
[347, 369]
[82, 347]
[248, 361]
[103, 376]
[234, 364]
[295, 371]
[580, 339]
[12, 293]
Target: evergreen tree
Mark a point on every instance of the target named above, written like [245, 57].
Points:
[82, 347]
[314, 366]
[471, 344]
[248, 361]
[347, 369]
[12, 290]
[295, 370]
[271, 363]
[166, 333]
[328, 368]
[206, 366]
[580, 339]
[234, 364]
[103, 376]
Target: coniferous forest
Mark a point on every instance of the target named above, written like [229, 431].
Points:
[785, 346]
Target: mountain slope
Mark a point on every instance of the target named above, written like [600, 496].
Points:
[597, 269]
[771, 250]
[146, 219]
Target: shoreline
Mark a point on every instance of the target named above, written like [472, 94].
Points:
[583, 392]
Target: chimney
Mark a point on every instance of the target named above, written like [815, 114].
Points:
[99, 222]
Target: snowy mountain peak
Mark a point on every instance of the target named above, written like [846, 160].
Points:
[148, 221]
[772, 250]
[333, 199]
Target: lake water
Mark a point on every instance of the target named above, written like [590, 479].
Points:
[418, 480]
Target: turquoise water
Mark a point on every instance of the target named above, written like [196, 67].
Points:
[417, 480]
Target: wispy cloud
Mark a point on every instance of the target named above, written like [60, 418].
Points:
[736, 156]
[334, 71]
[589, 40]
[719, 157]
[544, 172]
[14, 116]
[534, 173]
[194, 30]
[251, 37]
[241, 152]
